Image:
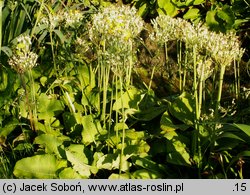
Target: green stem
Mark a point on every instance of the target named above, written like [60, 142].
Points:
[130, 63]
[196, 147]
[235, 80]
[166, 57]
[38, 17]
[200, 91]
[218, 99]
[151, 78]
[179, 48]
[1, 16]
[33, 99]
[123, 129]
[238, 76]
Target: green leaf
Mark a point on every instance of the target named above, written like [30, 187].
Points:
[192, 13]
[48, 107]
[230, 136]
[243, 127]
[227, 15]
[170, 8]
[162, 3]
[146, 174]
[183, 108]
[167, 125]
[38, 167]
[198, 2]
[43, 80]
[143, 9]
[69, 173]
[60, 35]
[51, 143]
[211, 20]
[177, 153]
[91, 128]
[182, 4]
[120, 176]
[9, 127]
[112, 162]
[129, 99]
[75, 155]
[150, 113]
[146, 163]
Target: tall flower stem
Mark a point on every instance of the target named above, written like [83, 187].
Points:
[236, 78]
[218, 99]
[128, 80]
[23, 83]
[201, 89]
[196, 148]
[179, 59]
[166, 56]
[123, 129]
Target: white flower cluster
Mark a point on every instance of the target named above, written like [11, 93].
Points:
[167, 29]
[222, 48]
[121, 23]
[72, 18]
[66, 18]
[114, 29]
[23, 59]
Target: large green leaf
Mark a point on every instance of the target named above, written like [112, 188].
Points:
[112, 162]
[76, 156]
[167, 7]
[48, 107]
[69, 173]
[211, 19]
[227, 15]
[9, 127]
[51, 143]
[168, 125]
[150, 113]
[192, 13]
[183, 108]
[38, 167]
[147, 164]
[91, 128]
[130, 99]
[177, 153]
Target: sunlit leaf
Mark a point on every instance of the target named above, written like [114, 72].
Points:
[243, 127]
[38, 167]
[146, 174]
[69, 173]
[183, 108]
[76, 156]
[91, 128]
